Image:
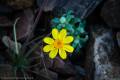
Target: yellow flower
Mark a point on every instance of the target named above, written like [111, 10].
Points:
[60, 43]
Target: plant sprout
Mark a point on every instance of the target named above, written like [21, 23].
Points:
[75, 27]
[19, 60]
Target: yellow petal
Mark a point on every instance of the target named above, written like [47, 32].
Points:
[62, 34]
[55, 33]
[62, 54]
[68, 48]
[53, 53]
[48, 40]
[48, 48]
[68, 39]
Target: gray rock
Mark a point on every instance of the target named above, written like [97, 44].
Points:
[102, 50]
[118, 38]
[110, 13]
[82, 8]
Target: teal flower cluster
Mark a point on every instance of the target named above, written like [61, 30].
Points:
[75, 27]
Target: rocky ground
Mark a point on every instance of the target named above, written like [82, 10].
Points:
[98, 59]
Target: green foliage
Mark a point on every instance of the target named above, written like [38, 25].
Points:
[19, 62]
[75, 27]
[19, 58]
[10, 44]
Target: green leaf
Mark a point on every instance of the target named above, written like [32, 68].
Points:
[69, 12]
[62, 20]
[10, 44]
[15, 36]
[77, 50]
[83, 41]
[82, 23]
[70, 28]
[75, 27]
[59, 27]
[55, 20]
[76, 20]
[76, 41]
[69, 18]
[80, 30]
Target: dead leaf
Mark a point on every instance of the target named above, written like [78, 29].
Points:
[24, 24]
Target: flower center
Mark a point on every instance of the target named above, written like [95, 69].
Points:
[58, 44]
